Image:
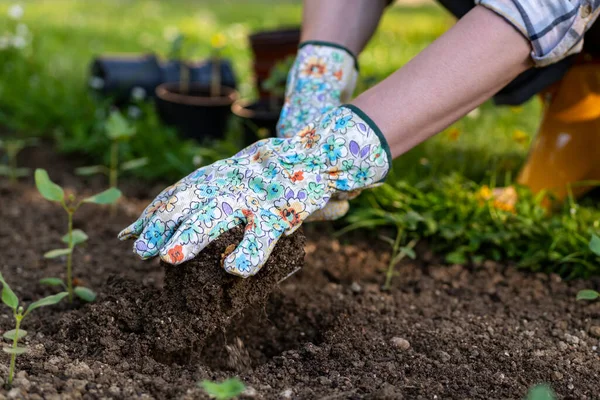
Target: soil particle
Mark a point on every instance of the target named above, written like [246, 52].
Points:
[400, 343]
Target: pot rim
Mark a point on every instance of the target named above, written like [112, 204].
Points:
[239, 108]
[162, 91]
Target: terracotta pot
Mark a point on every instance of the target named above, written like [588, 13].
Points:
[259, 119]
[195, 114]
[269, 47]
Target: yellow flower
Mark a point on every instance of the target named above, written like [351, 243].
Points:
[218, 41]
[484, 194]
[453, 134]
[520, 137]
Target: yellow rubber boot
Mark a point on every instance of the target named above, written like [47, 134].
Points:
[567, 147]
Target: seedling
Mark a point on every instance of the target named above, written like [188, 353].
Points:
[217, 43]
[10, 299]
[398, 254]
[276, 82]
[541, 392]
[51, 191]
[228, 389]
[119, 131]
[12, 148]
[588, 294]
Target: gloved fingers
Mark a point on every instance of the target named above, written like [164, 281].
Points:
[334, 209]
[165, 201]
[253, 251]
[194, 234]
[153, 236]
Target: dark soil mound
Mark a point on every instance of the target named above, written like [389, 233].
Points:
[171, 325]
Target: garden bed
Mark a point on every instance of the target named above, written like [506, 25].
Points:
[329, 331]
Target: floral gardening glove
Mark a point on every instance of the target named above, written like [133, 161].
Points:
[323, 77]
[271, 186]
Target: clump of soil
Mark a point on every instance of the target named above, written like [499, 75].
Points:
[171, 325]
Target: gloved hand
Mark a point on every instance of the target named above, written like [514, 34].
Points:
[322, 77]
[271, 186]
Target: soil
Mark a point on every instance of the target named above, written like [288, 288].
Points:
[486, 331]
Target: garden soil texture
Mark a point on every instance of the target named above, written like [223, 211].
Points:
[484, 331]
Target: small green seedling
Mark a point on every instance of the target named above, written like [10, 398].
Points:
[12, 148]
[10, 299]
[589, 294]
[276, 82]
[51, 191]
[217, 43]
[118, 130]
[228, 389]
[541, 392]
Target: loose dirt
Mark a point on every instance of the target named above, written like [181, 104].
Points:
[483, 331]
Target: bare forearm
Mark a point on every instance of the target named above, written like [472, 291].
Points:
[456, 73]
[348, 23]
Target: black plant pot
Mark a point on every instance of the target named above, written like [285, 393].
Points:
[195, 114]
[259, 119]
[117, 75]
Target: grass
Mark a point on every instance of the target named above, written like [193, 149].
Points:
[43, 92]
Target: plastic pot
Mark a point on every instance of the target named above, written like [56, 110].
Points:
[200, 72]
[117, 75]
[259, 119]
[195, 114]
[268, 48]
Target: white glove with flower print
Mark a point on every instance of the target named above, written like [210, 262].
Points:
[322, 77]
[271, 186]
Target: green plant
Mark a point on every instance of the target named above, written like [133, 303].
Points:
[10, 299]
[12, 148]
[119, 131]
[51, 191]
[276, 82]
[589, 294]
[541, 392]
[228, 389]
[217, 42]
[455, 217]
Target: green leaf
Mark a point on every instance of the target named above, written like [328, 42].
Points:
[57, 253]
[595, 245]
[410, 253]
[8, 296]
[91, 170]
[456, 257]
[10, 335]
[227, 389]
[85, 294]
[48, 189]
[541, 392]
[587, 294]
[46, 301]
[133, 164]
[109, 196]
[52, 282]
[15, 350]
[117, 127]
[79, 236]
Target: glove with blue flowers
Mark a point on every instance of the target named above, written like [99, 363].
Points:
[322, 77]
[271, 186]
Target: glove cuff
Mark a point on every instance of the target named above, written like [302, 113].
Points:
[323, 43]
